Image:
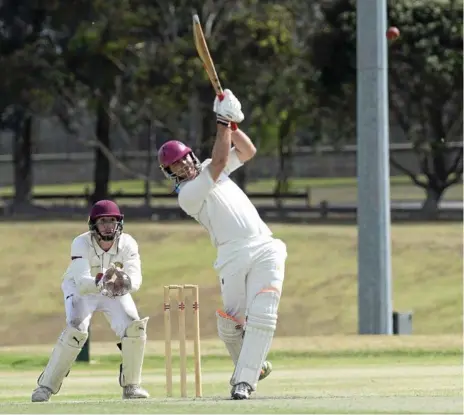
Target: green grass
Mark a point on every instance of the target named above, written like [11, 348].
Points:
[331, 189]
[320, 291]
[335, 386]
[341, 374]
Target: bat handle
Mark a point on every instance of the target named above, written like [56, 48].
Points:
[233, 125]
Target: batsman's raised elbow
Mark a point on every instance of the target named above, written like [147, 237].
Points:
[244, 156]
[253, 152]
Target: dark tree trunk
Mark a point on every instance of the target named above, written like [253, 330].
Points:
[22, 157]
[151, 140]
[281, 180]
[284, 147]
[207, 138]
[102, 164]
[208, 124]
[430, 206]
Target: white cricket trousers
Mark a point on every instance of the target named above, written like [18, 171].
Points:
[119, 311]
[246, 269]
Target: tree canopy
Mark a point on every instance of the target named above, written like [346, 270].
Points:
[132, 63]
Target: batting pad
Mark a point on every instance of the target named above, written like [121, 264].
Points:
[230, 331]
[133, 350]
[259, 331]
[63, 356]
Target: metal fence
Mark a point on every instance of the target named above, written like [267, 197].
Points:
[55, 168]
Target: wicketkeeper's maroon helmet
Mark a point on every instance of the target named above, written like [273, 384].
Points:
[106, 209]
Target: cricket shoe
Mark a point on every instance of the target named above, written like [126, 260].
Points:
[266, 370]
[41, 394]
[134, 392]
[241, 391]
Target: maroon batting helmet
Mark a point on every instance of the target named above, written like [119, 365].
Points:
[171, 152]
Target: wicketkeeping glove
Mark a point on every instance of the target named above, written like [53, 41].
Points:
[114, 283]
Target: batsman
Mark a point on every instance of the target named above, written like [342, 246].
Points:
[104, 269]
[250, 262]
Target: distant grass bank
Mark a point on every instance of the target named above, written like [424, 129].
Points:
[320, 292]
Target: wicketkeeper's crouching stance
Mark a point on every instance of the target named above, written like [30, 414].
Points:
[250, 262]
[105, 268]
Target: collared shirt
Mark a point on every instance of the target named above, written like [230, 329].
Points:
[221, 207]
[88, 260]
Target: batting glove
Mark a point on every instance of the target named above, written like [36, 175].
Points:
[228, 110]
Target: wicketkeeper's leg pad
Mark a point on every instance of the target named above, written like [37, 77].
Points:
[133, 350]
[64, 354]
[259, 332]
[230, 331]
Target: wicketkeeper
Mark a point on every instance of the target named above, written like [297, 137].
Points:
[104, 269]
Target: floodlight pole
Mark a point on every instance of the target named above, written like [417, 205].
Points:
[374, 262]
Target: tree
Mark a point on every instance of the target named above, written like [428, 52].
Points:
[333, 58]
[260, 52]
[22, 160]
[30, 70]
[285, 100]
[426, 92]
[269, 75]
[425, 83]
[95, 38]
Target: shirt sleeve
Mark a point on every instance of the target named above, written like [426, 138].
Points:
[132, 263]
[79, 268]
[233, 163]
[193, 193]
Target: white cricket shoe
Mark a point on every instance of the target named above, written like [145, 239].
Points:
[134, 392]
[41, 394]
[241, 391]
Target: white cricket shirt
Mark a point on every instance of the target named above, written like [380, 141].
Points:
[221, 207]
[88, 260]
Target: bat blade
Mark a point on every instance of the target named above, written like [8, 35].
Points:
[205, 56]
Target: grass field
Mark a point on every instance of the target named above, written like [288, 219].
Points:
[331, 189]
[320, 365]
[320, 291]
[339, 374]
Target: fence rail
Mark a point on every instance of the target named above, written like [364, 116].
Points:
[155, 195]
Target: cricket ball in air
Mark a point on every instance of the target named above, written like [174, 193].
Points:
[393, 33]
